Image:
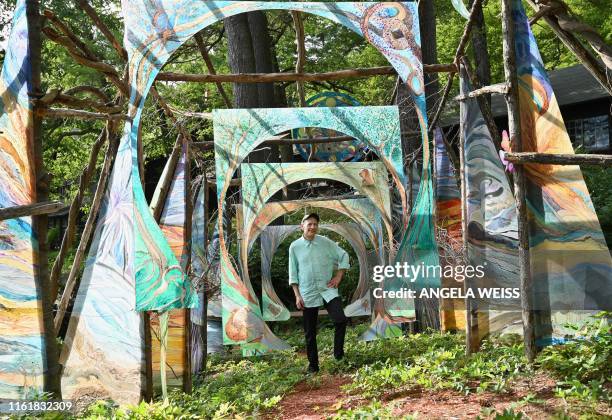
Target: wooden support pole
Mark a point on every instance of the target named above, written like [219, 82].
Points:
[57, 97]
[559, 159]
[51, 374]
[36, 209]
[75, 207]
[514, 125]
[79, 114]
[571, 24]
[298, 24]
[79, 256]
[93, 15]
[471, 342]
[294, 77]
[211, 69]
[207, 145]
[458, 54]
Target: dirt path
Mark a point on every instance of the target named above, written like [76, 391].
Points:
[315, 398]
[320, 397]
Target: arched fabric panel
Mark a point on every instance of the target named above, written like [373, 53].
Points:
[273, 236]
[237, 132]
[262, 180]
[363, 212]
[391, 27]
[570, 263]
[359, 209]
[492, 235]
[173, 223]
[22, 360]
[448, 218]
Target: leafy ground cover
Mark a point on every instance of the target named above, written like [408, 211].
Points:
[424, 375]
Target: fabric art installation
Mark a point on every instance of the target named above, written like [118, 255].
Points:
[492, 227]
[22, 359]
[333, 152]
[571, 266]
[448, 206]
[390, 27]
[173, 225]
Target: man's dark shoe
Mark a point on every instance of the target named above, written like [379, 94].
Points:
[313, 369]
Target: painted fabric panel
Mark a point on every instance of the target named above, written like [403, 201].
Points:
[360, 209]
[262, 180]
[22, 360]
[363, 212]
[273, 309]
[199, 263]
[460, 8]
[237, 132]
[103, 353]
[492, 229]
[570, 262]
[448, 206]
[173, 224]
[391, 27]
[331, 152]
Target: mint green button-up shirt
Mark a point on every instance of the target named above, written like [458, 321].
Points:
[312, 265]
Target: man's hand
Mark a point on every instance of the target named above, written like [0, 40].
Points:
[334, 282]
[299, 302]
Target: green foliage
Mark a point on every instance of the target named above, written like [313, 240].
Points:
[584, 364]
[438, 361]
[599, 184]
[374, 410]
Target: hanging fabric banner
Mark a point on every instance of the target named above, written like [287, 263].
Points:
[22, 359]
[448, 206]
[492, 235]
[571, 266]
[173, 224]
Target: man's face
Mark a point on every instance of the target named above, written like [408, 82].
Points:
[310, 227]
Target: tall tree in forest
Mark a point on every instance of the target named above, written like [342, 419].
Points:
[480, 48]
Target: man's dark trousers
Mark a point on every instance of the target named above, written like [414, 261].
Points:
[336, 313]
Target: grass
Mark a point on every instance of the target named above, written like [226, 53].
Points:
[236, 387]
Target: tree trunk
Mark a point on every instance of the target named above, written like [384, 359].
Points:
[241, 59]
[262, 52]
[51, 376]
[429, 50]
[480, 49]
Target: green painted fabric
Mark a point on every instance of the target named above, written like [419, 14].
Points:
[312, 265]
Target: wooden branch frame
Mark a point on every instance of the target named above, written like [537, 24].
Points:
[36, 209]
[559, 159]
[520, 185]
[71, 283]
[80, 114]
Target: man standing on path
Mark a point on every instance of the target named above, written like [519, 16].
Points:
[312, 261]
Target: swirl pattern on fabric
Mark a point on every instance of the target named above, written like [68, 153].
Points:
[22, 355]
[570, 262]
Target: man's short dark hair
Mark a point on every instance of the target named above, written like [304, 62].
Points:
[310, 216]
